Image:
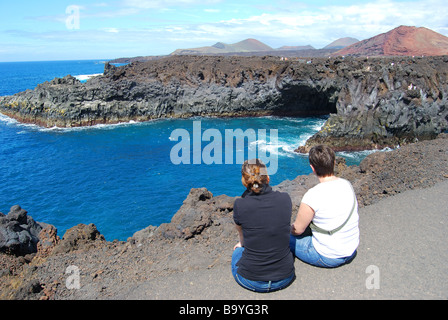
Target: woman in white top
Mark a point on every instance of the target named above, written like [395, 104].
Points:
[330, 209]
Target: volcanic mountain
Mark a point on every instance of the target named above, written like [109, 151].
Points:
[248, 45]
[341, 43]
[401, 41]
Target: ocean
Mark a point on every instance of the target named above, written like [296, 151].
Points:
[128, 176]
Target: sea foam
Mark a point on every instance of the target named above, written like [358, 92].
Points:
[85, 77]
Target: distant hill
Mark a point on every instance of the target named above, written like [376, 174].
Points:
[401, 41]
[258, 47]
[255, 47]
[248, 45]
[308, 47]
[341, 43]
[136, 59]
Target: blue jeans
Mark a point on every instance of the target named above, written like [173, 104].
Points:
[257, 286]
[302, 247]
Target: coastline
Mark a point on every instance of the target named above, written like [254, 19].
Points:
[200, 235]
[371, 102]
[397, 102]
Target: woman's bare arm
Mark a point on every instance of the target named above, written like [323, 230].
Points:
[304, 216]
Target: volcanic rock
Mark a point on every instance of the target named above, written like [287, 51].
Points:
[199, 211]
[385, 105]
[48, 240]
[372, 103]
[79, 237]
[19, 233]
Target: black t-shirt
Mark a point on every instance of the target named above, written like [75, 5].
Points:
[265, 219]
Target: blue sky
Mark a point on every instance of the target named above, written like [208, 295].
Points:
[97, 29]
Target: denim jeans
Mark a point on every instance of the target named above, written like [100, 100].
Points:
[257, 286]
[302, 247]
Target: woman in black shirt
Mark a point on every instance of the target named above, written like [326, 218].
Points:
[262, 260]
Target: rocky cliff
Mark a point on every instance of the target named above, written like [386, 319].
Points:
[388, 102]
[372, 102]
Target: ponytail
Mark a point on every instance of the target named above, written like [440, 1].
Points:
[255, 175]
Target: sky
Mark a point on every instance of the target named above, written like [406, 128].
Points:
[33, 30]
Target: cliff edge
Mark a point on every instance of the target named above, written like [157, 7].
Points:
[372, 102]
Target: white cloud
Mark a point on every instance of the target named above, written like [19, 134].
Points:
[320, 26]
[212, 10]
[111, 30]
[102, 4]
[317, 27]
[274, 25]
[161, 4]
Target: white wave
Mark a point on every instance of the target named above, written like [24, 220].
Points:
[85, 77]
[289, 150]
[297, 120]
[14, 122]
[50, 129]
[319, 125]
[287, 144]
[281, 148]
[34, 127]
[355, 155]
[258, 142]
[7, 119]
[101, 126]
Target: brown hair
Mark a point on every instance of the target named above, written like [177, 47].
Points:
[255, 174]
[322, 159]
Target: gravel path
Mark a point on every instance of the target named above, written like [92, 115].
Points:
[402, 255]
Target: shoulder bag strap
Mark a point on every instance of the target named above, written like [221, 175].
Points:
[330, 232]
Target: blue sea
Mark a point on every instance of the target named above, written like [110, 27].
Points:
[122, 177]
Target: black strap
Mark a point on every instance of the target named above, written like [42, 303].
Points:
[330, 232]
